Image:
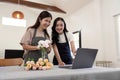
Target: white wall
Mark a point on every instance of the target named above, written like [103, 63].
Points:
[98, 28]
[10, 36]
[88, 20]
[109, 9]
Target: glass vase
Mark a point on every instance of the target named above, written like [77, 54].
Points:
[43, 52]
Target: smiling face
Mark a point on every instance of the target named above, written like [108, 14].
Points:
[59, 27]
[45, 22]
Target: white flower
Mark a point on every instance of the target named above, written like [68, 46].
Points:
[40, 43]
[47, 41]
[43, 43]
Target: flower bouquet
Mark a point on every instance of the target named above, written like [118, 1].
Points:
[43, 45]
[39, 65]
[42, 63]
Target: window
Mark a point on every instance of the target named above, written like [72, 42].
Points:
[119, 32]
[77, 39]
[117, 21]
[13, 22]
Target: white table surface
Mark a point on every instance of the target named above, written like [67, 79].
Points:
[95, 73]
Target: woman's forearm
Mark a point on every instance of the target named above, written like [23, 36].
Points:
[29, 47]
[57, 54]
[73, 48]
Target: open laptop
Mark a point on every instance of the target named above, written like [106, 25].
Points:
[84, 59]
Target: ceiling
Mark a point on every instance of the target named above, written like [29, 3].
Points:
[61, 6]
[68, 6]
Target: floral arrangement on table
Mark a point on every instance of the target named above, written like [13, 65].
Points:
[39, 65]
[42, 63]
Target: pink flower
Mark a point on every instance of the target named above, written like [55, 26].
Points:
[40, 67]
[47, 41]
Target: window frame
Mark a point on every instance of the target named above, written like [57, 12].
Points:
[80, 37]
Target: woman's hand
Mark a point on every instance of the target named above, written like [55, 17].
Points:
[61, 63]
[48, 49]
[74, 54]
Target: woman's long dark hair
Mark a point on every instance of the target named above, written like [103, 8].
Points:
[41, 16]
[55, 35]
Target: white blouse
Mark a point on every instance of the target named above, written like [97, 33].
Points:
[69, 37]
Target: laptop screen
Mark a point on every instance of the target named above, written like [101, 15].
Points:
[84, 58]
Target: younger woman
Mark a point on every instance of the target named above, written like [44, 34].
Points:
[60, 41]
